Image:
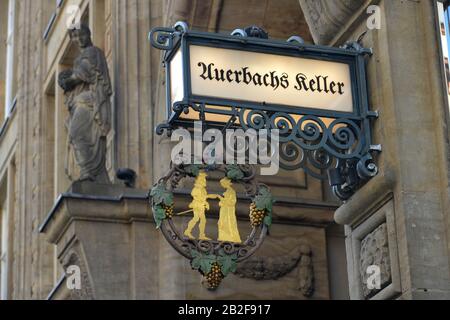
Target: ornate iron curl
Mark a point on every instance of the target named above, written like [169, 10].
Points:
[296, 40]
[356, 46]
[239, 33]
[163, 38]
[310, 144]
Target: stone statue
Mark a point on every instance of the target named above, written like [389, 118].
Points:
[87, 88]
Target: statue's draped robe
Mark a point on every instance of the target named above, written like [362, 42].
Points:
[90, 116]
[227, 225]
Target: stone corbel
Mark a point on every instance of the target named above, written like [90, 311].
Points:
[326, 18]
[356, 208]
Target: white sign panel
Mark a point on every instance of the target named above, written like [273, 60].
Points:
[272, 79]
[176, 76]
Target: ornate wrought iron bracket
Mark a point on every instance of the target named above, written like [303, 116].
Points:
[165, 38]
[326, 144]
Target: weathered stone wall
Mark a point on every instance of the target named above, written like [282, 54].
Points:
[32, 256]
[404, 210]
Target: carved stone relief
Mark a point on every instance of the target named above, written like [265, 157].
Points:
[373, 242]
[73, 258]
[375, 252]
[273, 268]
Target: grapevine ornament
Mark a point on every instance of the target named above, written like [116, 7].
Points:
[214, 259]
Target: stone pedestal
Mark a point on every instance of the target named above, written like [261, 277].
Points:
[107, 232]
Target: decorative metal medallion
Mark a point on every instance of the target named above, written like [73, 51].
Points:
[214, 259]
[328, 144]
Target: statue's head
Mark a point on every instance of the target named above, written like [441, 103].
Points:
[81, 35]
[201, 179]
[226, 183]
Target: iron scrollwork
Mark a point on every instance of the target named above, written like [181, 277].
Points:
[336, 151]
[164, 38]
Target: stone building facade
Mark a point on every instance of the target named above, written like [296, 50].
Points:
[399, 220]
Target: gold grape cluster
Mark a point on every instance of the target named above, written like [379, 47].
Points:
[215, 276]
[168, 210]
[256, 215]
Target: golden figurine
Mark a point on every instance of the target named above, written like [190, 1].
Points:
[199, 205]
[227, 225]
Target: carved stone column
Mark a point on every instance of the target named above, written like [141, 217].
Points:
[397, 225]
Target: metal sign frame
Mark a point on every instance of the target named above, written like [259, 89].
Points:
[340, 152]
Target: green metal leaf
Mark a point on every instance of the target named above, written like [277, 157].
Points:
[268, 220]
[202, 262]
[192, 170]
[160, 195]
[264, 200]
[234, 172]
[159, 214]
[206, 263]
[228, 263]
[195, 253]
[195, 262]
